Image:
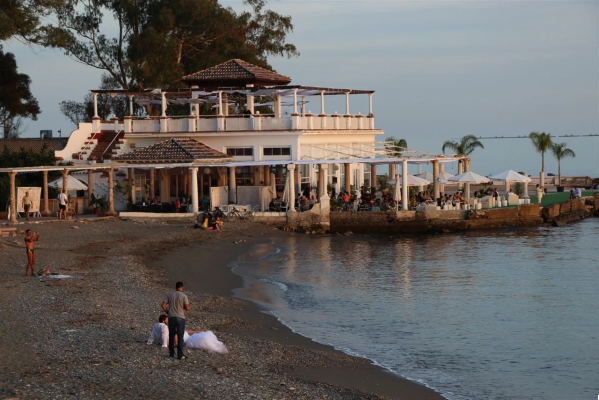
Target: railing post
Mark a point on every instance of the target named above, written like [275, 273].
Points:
[257, 121]
[310, 120]
[191, 123]
[360, 120]
[128, 121]
[335, 120]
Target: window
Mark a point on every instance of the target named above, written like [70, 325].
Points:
[277, 151]
[240, 151]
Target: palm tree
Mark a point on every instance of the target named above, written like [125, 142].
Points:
[560, 151]
[541, 142]
[394, 148]
[465, 147]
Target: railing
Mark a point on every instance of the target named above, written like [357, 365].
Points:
[109, 146]
[242, 123]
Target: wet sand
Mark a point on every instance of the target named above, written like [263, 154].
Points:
[215, 277]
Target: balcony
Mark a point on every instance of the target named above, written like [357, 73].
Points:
[237, 123]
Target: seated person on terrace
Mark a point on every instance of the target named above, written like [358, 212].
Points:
[304, 203]
[272, 206]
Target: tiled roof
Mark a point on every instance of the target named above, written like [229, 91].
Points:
[236, 72]
[174, 150]
[34, 144]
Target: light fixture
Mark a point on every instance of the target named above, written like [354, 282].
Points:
[335, 167]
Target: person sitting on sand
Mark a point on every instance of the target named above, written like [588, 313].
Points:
[160, 332]
[218, 224]
[30, 238]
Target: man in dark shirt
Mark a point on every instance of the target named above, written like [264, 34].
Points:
[175, 305]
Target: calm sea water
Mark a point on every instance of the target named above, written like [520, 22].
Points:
[487, 315]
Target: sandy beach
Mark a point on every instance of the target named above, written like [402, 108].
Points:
[86, 337]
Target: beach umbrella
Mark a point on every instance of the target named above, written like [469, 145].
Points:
[468, 178]
[72, 183]
[444, 177]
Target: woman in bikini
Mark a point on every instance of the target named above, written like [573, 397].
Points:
[30, 238]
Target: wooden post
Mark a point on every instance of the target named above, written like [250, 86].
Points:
[152, 179]
[373, 176]
[65, 189]
[347, 177]
[46, 212]
[111, 192]
[90, 190]
[13, 200]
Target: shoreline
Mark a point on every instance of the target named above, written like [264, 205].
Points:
[181, 264]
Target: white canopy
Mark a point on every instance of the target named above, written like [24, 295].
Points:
[445, 176]
[73, 184]
[412, 181]
[469, 177]
[426, 176]
[510, 175]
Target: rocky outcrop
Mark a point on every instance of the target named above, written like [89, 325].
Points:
[571, 211]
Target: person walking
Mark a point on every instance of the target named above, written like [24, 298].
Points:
[62, 204]
[175, 305]
[27, 203]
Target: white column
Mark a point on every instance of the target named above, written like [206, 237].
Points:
[405, 200]
[163, 104]
[95, 105]
[291, 175]
[347, 103]
[250, 101]
[278, 106]
[370, 101]
[436, 178]
[220, 103]
[232, 186]
[131, 105]
[525, 190]
[194, 189]
[441, 170]
[322, 113]
[304, 106]
[295, 101]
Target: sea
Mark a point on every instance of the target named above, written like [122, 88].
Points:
[503, 314]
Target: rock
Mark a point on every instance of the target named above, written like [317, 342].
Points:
[348, 233]
[75, 227]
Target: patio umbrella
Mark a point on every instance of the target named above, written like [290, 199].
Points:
[412, 181]
[510, 176]
[444, 177]
[468, 178]
[72, 184]
[426, 176]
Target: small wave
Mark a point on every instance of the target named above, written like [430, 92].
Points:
[280, 285]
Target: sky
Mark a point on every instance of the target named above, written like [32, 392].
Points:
[440, 69]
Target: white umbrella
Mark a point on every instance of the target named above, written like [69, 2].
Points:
[72, 184]
[444, 176]
[426, 176]
[510, 175]
[412, 181]
[468, 178]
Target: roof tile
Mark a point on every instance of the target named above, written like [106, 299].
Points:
[174, 150]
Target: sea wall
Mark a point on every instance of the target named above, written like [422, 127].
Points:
[404, 222]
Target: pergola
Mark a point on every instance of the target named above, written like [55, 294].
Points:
[190, 154]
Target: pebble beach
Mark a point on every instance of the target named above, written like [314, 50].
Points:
[85, 337]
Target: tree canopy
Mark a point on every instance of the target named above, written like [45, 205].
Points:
[16, 99]
[158, 41]
[560, 151]
[394, 146]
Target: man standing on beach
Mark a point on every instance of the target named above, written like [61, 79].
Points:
[30, 238]
[175, 305]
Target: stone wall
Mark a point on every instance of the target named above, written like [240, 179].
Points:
[435, 221]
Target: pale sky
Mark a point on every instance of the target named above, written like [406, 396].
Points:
[440, 69]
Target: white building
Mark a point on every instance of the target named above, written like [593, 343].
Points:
[283, 133]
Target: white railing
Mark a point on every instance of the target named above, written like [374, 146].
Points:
[206, 125]
[146, 125]
[238, 124]
[211, 124]
[276, 124]
[177, 125]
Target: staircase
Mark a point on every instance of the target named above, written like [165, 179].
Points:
[107, 141]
